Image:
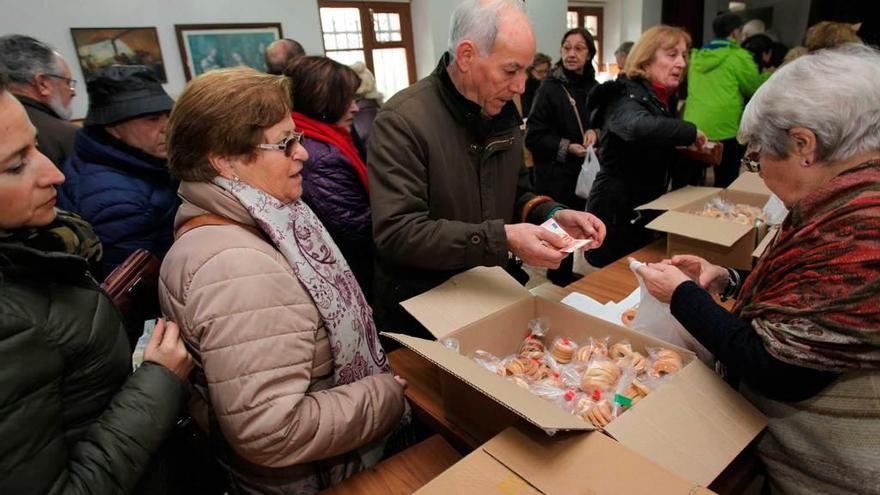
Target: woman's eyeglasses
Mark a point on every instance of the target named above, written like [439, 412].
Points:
[750, 161]
[287, 146]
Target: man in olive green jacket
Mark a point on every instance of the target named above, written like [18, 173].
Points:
[721, 76]
[448, 187]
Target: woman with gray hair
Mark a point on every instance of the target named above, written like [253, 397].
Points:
[804, 334]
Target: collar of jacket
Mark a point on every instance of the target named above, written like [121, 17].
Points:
[720, 43]
[469, 113]
[641, 89]
[29, 265]
[573, 79]
[95, 145]
[37, 105]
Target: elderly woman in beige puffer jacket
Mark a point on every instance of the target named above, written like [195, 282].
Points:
[291, 373]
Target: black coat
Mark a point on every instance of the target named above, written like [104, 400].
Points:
[637, 141]
[528, 96]
[552, 125]
[74, 418]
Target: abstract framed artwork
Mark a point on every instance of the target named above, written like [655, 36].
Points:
[97, 48]
[204, 47]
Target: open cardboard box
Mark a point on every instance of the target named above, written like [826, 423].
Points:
[525, 461]
[693, 426]
[722, 242]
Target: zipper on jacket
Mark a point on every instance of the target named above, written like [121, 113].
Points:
[507, 141]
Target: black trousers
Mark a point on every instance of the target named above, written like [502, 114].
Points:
[728, 170]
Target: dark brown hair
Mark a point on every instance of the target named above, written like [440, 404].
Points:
[4, 81]
[588, 38]
[224, 112]
[322, 87]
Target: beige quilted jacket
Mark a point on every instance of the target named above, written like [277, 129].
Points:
[263, 345]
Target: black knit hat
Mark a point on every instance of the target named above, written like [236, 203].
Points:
[123, 92]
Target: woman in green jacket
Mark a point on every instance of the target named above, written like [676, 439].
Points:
[74, 418]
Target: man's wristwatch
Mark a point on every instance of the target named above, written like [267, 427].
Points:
[733, 280]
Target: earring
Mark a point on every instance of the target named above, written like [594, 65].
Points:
[236, 178]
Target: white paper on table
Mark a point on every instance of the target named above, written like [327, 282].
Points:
[611, 311]
[654, 318]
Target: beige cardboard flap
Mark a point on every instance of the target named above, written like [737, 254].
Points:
[582, 463]
[713, 230]
[464, 298]
[533, 409]
[765, 242]
[679, 198]
[750, 182]
[693, 425]
[478, 474]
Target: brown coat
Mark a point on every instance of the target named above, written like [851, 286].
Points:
[263, 345]
[444, 180]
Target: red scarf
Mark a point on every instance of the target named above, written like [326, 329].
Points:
[814, 297]
[662, 93]
[336, 136]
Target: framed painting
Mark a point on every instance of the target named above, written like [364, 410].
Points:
[97, 48]
[213, 46]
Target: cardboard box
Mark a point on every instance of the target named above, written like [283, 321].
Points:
[750, 182]
[524, 461]
[722, 242]
[693, 426]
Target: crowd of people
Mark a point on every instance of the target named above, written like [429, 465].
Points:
[294, 210]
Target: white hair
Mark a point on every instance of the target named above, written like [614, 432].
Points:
[835, 93]
[477, 21]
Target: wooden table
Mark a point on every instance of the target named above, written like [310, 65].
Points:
[612, 283]
[402, 474]
[616, 281]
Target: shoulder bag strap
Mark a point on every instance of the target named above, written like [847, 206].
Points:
[212, 219]
[575, 108]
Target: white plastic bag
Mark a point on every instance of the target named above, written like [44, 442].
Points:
[589, 169]
[655, 319]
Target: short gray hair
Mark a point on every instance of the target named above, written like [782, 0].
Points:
[846, 125]
[23, 57]
[477, 21]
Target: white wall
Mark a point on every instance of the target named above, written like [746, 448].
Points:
[652, 13]
[430, 20]
[51, 20]
[548, 21]
[624, 20]
[431, 28]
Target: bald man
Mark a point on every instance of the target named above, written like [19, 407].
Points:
[448, 186]
[281, 52]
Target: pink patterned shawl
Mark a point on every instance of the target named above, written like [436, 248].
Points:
[325, 274]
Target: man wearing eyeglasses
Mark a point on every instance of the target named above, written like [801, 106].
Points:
[42, 82]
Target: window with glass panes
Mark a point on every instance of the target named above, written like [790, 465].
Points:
[378, 34]
[589, 18]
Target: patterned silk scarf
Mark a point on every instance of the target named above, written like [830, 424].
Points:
[814, 297]
[320, 267]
